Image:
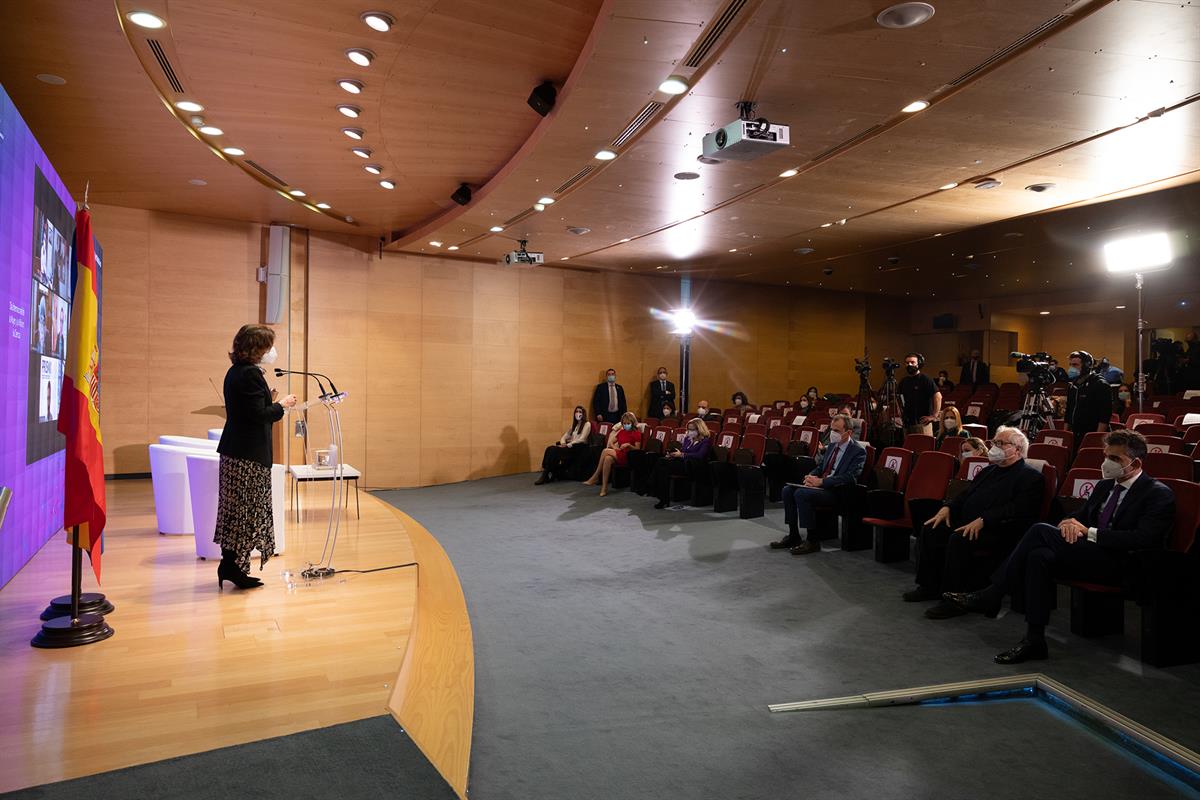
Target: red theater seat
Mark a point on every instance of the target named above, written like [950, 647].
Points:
[1089, 457]
[922, 493]
[919, 442]
[1169, 465]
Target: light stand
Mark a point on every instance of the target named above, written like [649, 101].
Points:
[685, 371]
[1139, 254]
[1141, 334]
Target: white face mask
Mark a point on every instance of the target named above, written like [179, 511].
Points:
[702, 410]
[578, 416]
[950, 425]
[270, 356]
[835, 438]
[1111, 470]
[691, 434]
[996, 454]
[666, 412]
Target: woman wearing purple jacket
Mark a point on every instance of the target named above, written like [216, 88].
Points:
[687, 461]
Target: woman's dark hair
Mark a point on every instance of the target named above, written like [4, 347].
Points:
[577, 424]
[251, 343]
[742, 395]
[812, 389]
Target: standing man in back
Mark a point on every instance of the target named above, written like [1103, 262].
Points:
[662, 394]
[608, 401]
[975, 371]
[920, 395]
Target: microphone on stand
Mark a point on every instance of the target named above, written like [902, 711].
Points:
[279, 373]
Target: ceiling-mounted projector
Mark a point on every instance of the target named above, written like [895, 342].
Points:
[523, 256]
[745, 140]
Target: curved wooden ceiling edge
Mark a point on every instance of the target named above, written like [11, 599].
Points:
[143, 60]
[417, 234]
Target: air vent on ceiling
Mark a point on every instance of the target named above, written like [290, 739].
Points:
[165, 65]
[574, 179]
[848, 143]
[266, 172]
[713, 33]
[518, 217]
[1012, 47]
[638, 123]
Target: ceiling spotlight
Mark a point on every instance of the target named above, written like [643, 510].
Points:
[546, 201]
[684, 320]
[349, 111]
[686, 176]
[354, 133]
[733, 249]
[435, 243]
[296, 192]
[605, 155]
[378, 20]
[1039, 187]
[452, 247]
[1119, 308]
[676, 84]
[387, 184]
[826, 224]
[144, 19]
[565, 258]
[50, 78]
[789, 173]
[374, 169]
[1138, 253]
[1044, 313]
[323, 206]
[626, 239]
[947, 186]
[904, 15]
[189, 106]
[350, 85]
[233, 151]
[539, 206]
[496, 228]
[211, 130]
[915, 106]
[360, 56]
[361, 152]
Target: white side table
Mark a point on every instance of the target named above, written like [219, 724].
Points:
[302, 473]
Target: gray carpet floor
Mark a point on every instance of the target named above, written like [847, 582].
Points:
[369, 758]
[627, 652]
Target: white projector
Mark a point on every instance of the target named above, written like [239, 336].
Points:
[524, 257]
[745, 140]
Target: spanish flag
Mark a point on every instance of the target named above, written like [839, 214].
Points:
[79, 415]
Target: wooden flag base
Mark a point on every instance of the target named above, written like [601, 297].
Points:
[89, 603]
[68, 632]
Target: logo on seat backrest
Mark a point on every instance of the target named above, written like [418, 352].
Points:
[1083, 487]
[893, 463]
[1054, 440]
[973, 469]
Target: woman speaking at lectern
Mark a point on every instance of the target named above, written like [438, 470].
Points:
[244, 520]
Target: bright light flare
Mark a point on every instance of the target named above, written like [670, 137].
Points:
[1138, 253]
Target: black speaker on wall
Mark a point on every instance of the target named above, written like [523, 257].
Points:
[542, 98]
[945, 322]
[462, 195]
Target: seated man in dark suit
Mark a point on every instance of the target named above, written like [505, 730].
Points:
[998, 506]
[840, 466]
[608, 401]
[1127, 511]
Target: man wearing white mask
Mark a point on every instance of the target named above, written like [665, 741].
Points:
[608, 400]
[1128, 510]
[1001, 503]
[840, 466]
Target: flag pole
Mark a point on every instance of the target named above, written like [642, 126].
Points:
[77, 627]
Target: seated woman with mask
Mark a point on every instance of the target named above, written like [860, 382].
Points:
[951, 425]
[691, 457]
[561, 456]
[973, 447]
[622, 439]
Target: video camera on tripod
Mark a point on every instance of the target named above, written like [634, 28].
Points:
[890, 367]
[863, 367]
[1037, 367]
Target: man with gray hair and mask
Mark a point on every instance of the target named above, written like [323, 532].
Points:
[1001, 503]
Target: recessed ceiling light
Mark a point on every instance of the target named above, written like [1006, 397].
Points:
[686, 176]
[936, 235]
[733, 249]
[354, 133]
[1119, 308]
[435, 243]
[605, 155]
[676, 84]
[539, 206]
[1039, 187]
[361, 56]
[189, 106]
[387, 184]
[626, 239]
[1044, 313]
[947, 186]
[378, 20]
[198, 182]
[361, 152]
[144, 19]
[323, 205]
[374, 169]
[452, 247]
[296, 192]
[826, 224]
[50, 78]
[350, 85]
[546, 200]
[905, 15]
[350, 111]
[707, 160]
[789, 173]
[496, 228]
[803, 251]
[233, 151]
[915, 106]
[211, 130]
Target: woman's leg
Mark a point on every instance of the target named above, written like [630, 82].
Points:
[606, 453]
[606, 464]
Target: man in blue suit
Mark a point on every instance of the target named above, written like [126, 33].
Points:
[841, 465]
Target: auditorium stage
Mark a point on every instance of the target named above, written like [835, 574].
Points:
[192, 668]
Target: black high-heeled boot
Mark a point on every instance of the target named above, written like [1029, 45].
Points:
[228, 570]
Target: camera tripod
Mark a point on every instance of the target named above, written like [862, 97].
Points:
[1035, 414]
[889, 431]
[864, 398]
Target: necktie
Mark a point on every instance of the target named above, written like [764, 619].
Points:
[612, 398]
[973, 371]
[832, 462]
[662, 386]
[1110, 507]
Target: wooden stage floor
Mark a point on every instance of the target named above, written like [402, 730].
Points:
[192, 668]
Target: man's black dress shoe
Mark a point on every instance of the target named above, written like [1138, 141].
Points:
[944, 610]
[808, 546]
[661, 504]
[786, 543]
[976, 602]
[920, 594]
[1024, 651]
